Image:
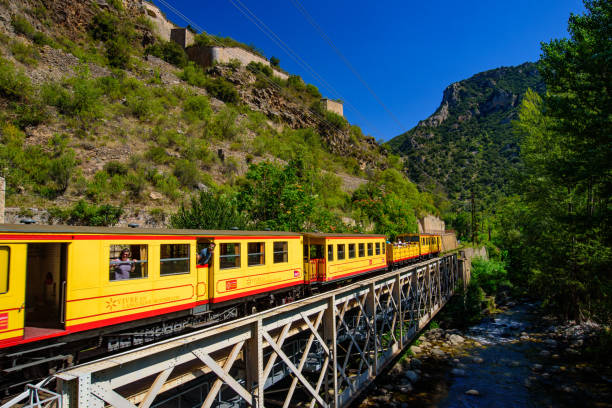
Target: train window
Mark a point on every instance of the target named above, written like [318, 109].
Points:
[340, 248]
[128, 262]
[370, 249]
[229, 256]
[351, 251]
[361, 250]
[281, 252]
[256, 253]
[173, 259]
[330, 252]
[4, 269]
[383, 248]
[378, 248]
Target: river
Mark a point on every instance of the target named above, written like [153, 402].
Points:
[516, 358]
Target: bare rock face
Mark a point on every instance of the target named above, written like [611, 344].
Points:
[271, 102]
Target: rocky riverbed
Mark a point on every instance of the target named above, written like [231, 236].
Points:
[517, 357]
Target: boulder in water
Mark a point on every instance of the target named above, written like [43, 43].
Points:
[472, 392]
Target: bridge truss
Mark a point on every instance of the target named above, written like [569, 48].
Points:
[320, 351]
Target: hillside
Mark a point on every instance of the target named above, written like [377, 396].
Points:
[468, 142]
[99, 113]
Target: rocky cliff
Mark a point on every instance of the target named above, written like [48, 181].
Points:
[468, 140]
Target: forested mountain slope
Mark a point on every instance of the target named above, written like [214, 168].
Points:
[468, 142]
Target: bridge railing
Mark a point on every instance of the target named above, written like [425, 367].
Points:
[347, 336]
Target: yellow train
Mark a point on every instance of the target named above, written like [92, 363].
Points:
[70, 293]
[411, 247]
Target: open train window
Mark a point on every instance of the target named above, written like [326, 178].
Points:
[361, 250]
[378, 248]
[370, 249]
[383, 248]
[256, 253]
[128, 261]
[173, 259]
[351, 250]
[229, 256]
[281, 252]
[330, 252]
[340, 248]
[4, 269]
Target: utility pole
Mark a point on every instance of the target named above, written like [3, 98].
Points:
[473, 220]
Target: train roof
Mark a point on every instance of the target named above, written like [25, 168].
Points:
[338, 235]
[418, 233]
[71, 229]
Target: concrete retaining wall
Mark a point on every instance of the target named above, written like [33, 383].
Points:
[206, 56]
[162, 26]
[467, 254]
[431, 224]
[449, 241]
[333, 106]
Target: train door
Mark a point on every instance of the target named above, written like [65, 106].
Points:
[12, 291]
[205, 273]
[45, 294]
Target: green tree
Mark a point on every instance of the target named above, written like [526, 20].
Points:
[275, 198]
[566, 145]
[210, 210]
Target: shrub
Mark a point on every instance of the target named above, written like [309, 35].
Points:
[223, 125]
[142, 104]
[22, 26]
[187, 173]
[115, 167]
[24, 53]
[296, 82]
[258, 67]
[222, 89]
[167, 184]
[87, 214]
[336, 120]
[234, 64]
[197, 107]
[135, 184]
[313, 91]
[158, 155]
[194, 75]
[104, 26]
[118, 52]
[14, 84]
[170, 52]
[275, 62]
[490, 275]
[31, 113]
[41, 39]
[83, 101]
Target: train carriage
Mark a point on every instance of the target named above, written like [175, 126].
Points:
[252, 264]
[334, 257]
[59, 281]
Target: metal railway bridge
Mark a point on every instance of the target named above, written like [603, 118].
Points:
[320, 351]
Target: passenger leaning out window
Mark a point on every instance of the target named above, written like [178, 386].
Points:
[124, 265]
[205, 254]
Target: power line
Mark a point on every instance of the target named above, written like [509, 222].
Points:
[316, 114]
[325, 37]
[293, 55]
[321, 118]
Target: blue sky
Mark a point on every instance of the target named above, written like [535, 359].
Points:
[406, 51]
